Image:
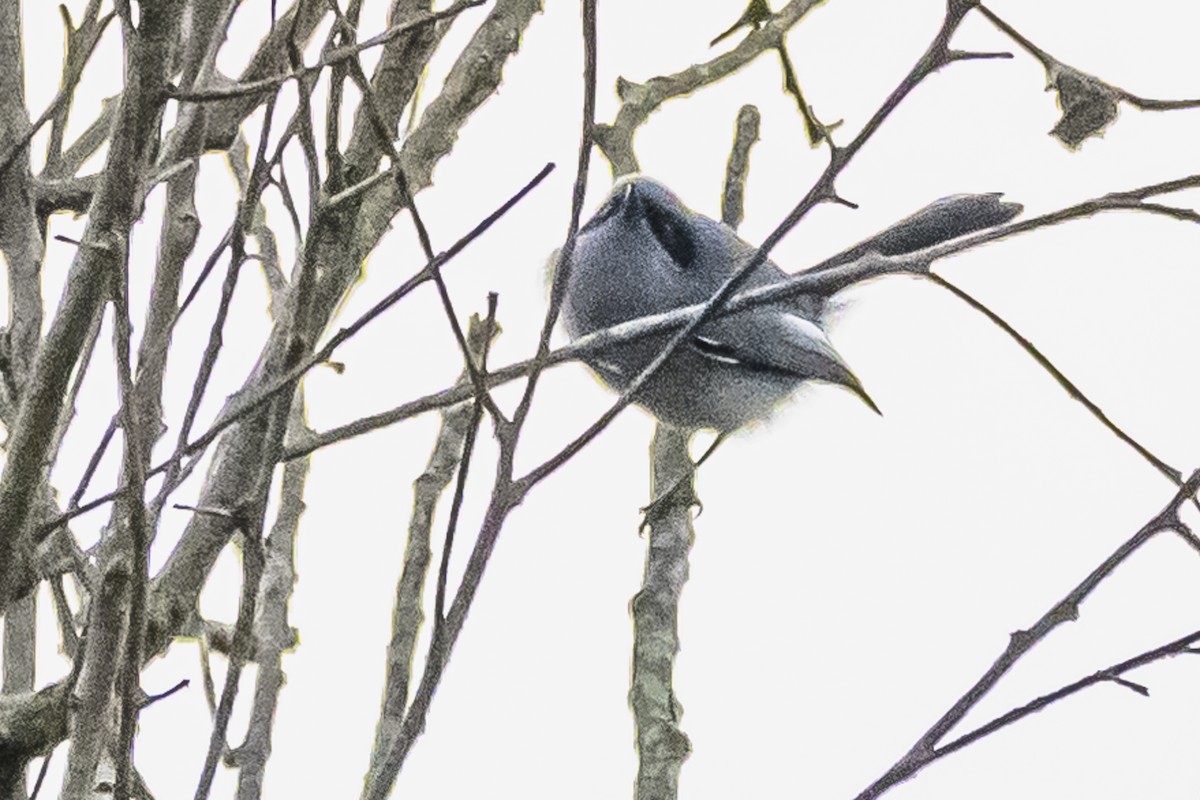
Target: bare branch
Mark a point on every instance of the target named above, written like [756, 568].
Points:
[408, 614]
[1111, 674]
[32, 723]
[81, 40]
[77, 57]
[745, 135]
[332, 58]
[252, 560]
[662, 746]
[925, 750]
[1072, 390]
[20, 239]
[488, 328]
[273, 636]
[91, 718]
[112, 213]
[503, 498]
[473, 78]
[564, 259]
[375, 118]
[251, 401]
[640, 100]
[129, 520]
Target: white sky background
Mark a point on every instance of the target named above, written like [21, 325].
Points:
[852, 574]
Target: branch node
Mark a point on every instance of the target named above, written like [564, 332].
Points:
[834, 197]
[975, 55]
[1128, 684]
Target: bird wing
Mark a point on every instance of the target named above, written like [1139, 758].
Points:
[770, 339]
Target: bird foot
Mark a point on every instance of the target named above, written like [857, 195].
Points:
[682, 495]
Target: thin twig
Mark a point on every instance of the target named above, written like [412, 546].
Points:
[1075, 393]
[565, 260]
[408, 610]
[640, 100]
[151, 699]
[385, 142]
[464, 466]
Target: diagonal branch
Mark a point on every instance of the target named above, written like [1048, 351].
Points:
[1110, 674]
[408, 614]
[504, 497]
[925, 751]
[1072, 390]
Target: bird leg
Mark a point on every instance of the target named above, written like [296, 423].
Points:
[681, 494]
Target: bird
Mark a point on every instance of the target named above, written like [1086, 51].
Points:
[644, 252]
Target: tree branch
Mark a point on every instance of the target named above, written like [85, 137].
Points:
[640, 100]
[662, 747]
[407, 614]
[111, 215]
[925, 750]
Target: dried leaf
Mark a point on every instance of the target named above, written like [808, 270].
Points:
[1088, 104]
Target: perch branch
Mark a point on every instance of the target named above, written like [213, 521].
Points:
[935, 57]
[662, 747]
[826, 278]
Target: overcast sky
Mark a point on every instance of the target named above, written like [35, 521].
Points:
[852, 574]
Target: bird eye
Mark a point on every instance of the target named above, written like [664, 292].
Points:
[606, 211]
[672, 235]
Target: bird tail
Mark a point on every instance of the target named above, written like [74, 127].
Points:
[940, 221]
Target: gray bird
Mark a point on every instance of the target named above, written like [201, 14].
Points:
[643, 252]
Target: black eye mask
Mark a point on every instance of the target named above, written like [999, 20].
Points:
[673, 236]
